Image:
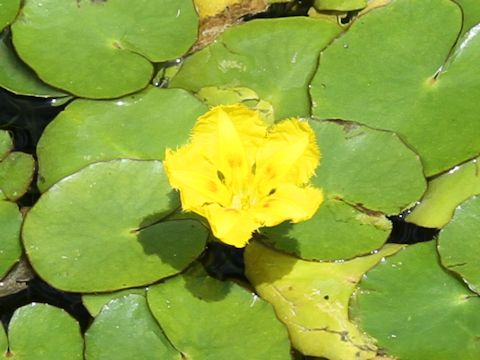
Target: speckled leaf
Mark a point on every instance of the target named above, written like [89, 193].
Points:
[106, 47]
[445, 193]
[106, 212]
[42, 332]
[18, 78]
[16, 173]
[249, 55]
[138, 126]
[10, 247]
[459, 243]
[362, 182]
[404, 83]
[8, 11]
[230, 322]
[311, 298]
[124, 330]
[416, 309]
[95, 302]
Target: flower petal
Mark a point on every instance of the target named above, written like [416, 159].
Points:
[290, 154]
[231, 226]
[195, 177]
[289, 202]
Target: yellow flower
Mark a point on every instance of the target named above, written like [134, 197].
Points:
[241, 175]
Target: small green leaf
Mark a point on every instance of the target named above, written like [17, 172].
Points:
[102, 49]
[459, 241]
[109, 212]
[16, 173]
[95, 302]
[42, 332]
[339, 5]
[139, 126]
[10, 247]
[445, 193]
[6, 144]
[8, 11]
[416, 310]
[230, 322]
[124, 330]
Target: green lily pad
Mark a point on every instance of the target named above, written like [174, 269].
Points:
[16, 173]
[125, 329]
[41, 332]
[18, 78]
[106, 212]
[311, 298]
[362, 182]
[6, 144]
[445, 193]
[459, 241]
[138, 126]
[10, 247]
[8, 11]
[416, 309]
[404, 83]
[230, 322]
[339, 5]
[113, 40]
[249, 55]
[95, 302]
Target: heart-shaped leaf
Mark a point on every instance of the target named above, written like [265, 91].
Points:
[109, 212]
[10, 247]
[8, 11]
[102, 49]
[16, 173]
[95, 302]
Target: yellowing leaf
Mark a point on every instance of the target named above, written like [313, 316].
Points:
[312, 298]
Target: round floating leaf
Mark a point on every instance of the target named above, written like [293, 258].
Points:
[113, 40]
[10, 247]
[230, 322]
[125, 329]
[6, 144]
[42, 332]
[416, 310]
[403, 83]
[362, 182]
[459, 242]
[106, 212]
[8, 11]
[139, 126]
[18, 78]
[95, 302]
[445, 193]
[16, 173]
[311, 298]
[249, 55]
